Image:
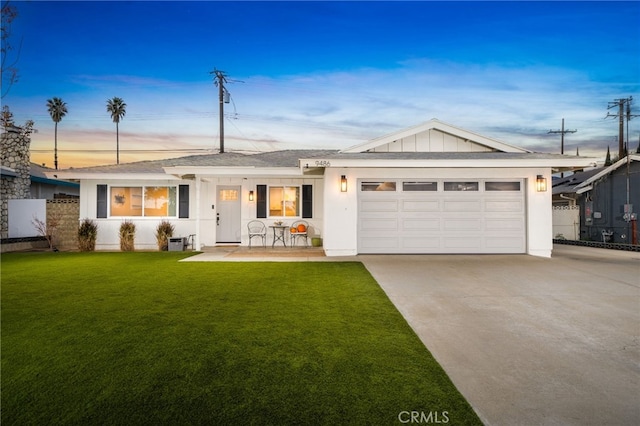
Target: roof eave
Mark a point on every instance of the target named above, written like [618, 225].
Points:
[180, 171]
[70, 175]
[560, 163]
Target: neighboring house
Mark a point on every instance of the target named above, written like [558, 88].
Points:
[432, 188]
[566, 211]
[46, 188]
[564, 188]
[609, 202]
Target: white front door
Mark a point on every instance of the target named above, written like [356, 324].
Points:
[228, 214]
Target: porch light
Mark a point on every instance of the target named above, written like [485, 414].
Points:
[343, 183]
[250, 195]
[541, 183]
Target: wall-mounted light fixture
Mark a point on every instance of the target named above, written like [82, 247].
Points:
[343, 183]
[541, 183]
[250, 195]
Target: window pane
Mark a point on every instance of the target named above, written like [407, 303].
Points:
[126, 201]
[291, 201]
[461, 186]
[378, 186]
[156, 201]
[419, 186]
[173, 201]
[502, 186]
[276, 197]
[228, 194]
[284, 201]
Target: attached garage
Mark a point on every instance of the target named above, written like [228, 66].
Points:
[436, 188]
[441, 216]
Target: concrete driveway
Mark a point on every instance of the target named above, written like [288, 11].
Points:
[527, 340]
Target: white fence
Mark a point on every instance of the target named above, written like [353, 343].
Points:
[566, 222]
[22, 215]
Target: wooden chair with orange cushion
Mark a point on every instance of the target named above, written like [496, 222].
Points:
[298, 230]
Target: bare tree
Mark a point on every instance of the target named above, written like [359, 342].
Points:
[9, 59]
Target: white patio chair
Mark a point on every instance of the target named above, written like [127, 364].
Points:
[298, 230]
[257, 229]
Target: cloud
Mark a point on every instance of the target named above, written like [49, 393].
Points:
[340, 109]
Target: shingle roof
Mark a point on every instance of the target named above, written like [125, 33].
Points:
[286, 158]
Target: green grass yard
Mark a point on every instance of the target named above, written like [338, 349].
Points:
[140, 338]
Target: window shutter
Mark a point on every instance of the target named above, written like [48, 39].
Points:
[183, 201]
[307, 201]
[261, 201]
[101, 197]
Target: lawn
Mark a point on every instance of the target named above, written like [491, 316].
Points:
[140, 338]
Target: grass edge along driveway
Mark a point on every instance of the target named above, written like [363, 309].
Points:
[140, 338]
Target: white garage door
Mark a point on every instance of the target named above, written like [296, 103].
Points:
[441, 216]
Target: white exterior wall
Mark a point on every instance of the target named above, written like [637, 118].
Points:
[202, 211]
[341, 213]
[316, 223]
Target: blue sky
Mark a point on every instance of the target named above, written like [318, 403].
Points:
[321, 74]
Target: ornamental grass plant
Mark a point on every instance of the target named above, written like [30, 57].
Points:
[141, 338]
[87, 235]
[164, 231]
[127, 235]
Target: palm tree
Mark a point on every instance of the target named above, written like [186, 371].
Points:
[117, 108]
[57, 109]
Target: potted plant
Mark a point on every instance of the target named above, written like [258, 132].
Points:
[127, 235]
[87, 234]
[164, 231]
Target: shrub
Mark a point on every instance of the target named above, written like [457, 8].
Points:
[87, 234]
[164, 231]
[127, 235]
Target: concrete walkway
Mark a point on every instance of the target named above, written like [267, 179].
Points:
[266, 254]
[527, 340]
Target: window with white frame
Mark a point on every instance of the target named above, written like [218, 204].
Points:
[148, 201]
[284, 201]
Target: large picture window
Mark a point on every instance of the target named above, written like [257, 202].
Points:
[143, 201]
[284, 201]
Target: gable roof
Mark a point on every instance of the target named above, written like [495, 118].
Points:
[470, 141]
[587, 184]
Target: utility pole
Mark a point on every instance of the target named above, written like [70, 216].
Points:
[562, 132]
[220, 77]
[620, 103]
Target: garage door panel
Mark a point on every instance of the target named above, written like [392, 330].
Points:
[461, 224]
[516, 243]
[421, 224]
[427, 243]
[384, 243]
[503, 206]
[421, 206]
[502, 224]
[463, 242]
[379, 224]
[462, 205]
[379, 206]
